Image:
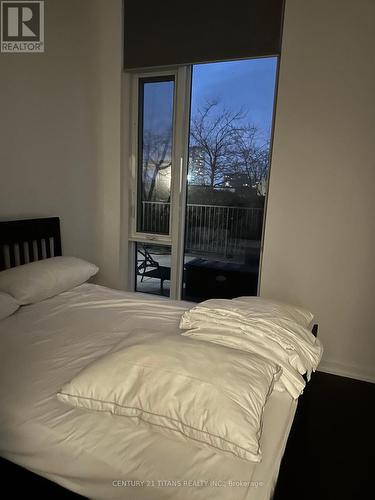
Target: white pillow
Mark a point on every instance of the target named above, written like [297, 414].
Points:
[8, 305]
[197, 391]
[45, 278]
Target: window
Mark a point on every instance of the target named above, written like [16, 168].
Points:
[155, 120]
[201, 143]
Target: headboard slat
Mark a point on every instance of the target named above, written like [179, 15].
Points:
[30, 246]
[48, 248]
[22, 253]
[39, 247]
[35, 234]
[57, 250]
[2, 258]
[12, 256]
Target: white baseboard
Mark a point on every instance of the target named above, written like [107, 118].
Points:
[345, 370]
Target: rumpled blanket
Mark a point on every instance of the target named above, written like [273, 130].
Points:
[262, 327]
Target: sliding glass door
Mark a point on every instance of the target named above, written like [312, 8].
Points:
[200, 152]
[229, 151]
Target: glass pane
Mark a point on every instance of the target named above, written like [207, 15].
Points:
[153, 269]
[229, 149]
[155, 154]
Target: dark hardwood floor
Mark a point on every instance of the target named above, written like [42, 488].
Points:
[26, 485]
[329, 455]
[330, 450]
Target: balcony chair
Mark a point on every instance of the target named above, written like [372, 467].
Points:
[148, 267]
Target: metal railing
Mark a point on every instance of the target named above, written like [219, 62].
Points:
[211, 229]
[155, 217]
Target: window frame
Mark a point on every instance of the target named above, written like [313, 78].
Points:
[180, 143]
[180, 156]
[135, 146]
[140, 142]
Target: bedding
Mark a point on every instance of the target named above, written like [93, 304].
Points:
[206, 393]
[42, 279]
[8, 305]
[104, 456]
[240, 324]
[275, 310]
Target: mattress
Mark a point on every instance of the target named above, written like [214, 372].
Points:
[102, 456]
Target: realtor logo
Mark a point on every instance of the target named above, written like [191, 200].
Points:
[22, 27]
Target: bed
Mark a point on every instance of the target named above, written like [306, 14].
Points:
[103, 456]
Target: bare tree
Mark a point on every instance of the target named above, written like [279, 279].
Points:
[229, 147]
[252, 155]
[156, 159]
[214, 131]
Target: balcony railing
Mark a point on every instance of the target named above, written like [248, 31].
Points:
[210, 229]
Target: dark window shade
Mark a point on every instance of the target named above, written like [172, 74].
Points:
[169, 32]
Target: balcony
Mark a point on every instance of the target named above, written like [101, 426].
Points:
[222, 238]
[211, 230]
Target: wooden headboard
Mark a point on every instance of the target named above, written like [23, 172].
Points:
[28, 240]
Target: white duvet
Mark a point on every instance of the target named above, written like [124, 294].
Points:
[103, 456]
[261, 327]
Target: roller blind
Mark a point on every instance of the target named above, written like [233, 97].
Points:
[170, 32]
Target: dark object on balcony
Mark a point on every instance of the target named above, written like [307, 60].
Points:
[148, 267]
[207, 279]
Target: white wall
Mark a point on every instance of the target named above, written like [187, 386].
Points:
[60, 130]
[320, 234]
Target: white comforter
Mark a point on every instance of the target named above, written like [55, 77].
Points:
[102, 456]
[260, 330]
